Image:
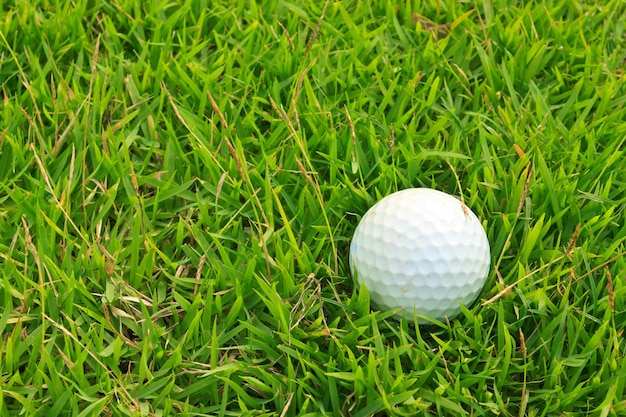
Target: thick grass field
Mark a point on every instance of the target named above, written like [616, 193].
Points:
[180, 182]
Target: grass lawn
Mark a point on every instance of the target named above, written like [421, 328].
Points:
[180, 182]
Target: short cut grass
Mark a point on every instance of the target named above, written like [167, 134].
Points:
[180, 181]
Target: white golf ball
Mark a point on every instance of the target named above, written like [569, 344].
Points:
[421, 250]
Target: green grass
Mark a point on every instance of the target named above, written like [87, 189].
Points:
[180, 181]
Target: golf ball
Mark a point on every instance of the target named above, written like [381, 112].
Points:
[421, 250]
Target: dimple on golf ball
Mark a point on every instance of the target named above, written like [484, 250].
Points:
[421, 250]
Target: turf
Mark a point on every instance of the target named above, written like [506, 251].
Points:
[180, 181]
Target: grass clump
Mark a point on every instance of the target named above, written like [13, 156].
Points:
[179, 184]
